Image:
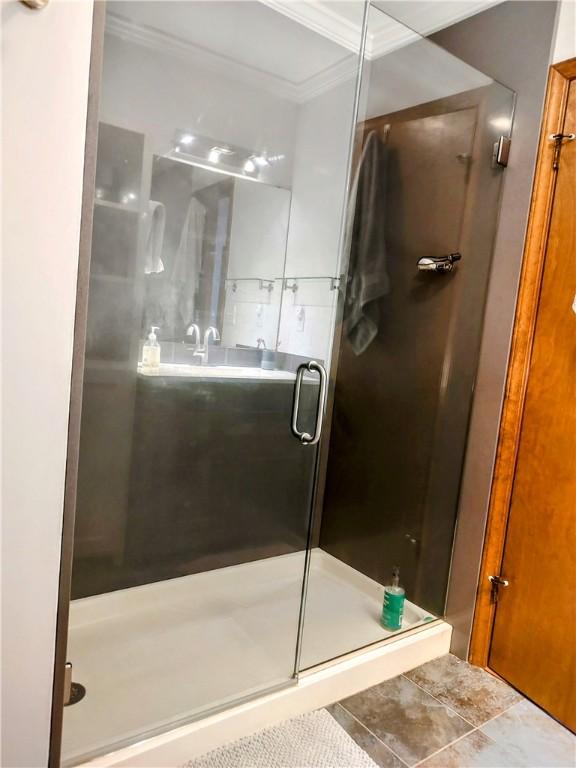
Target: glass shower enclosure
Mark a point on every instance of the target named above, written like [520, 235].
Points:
[280, 349]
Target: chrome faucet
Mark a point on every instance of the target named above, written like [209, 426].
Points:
[193, 331]
[210, 332]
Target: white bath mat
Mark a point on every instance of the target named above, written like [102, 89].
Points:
[314, 740]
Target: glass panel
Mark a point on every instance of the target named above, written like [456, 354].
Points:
[223, 152]
[426, 186]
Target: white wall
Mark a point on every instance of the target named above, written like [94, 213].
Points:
[260, 215]
[321, 156]
[318, 183]
[45, 61]
[564, 46]
[258, 230]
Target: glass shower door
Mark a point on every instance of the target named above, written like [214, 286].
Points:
[428, 177]
[224, 132]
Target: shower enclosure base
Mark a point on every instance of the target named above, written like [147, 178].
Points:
[130, 637]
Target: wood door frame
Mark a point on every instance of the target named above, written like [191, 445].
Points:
[559, 79]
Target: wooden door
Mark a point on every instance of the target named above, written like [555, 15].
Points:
[534, 634]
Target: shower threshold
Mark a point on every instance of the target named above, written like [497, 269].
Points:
[169, 651]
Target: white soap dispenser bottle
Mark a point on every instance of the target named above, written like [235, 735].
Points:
[151, 352]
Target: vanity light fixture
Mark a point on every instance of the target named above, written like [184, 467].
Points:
[206, 152]
[216, 152]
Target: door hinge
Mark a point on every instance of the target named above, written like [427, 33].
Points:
[501, 151]
[73, 692]
[558, 138]
[67, 683]
[497, 582]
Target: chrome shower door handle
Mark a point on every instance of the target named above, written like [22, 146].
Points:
[310, 367]
[302, 436]
[321, 409]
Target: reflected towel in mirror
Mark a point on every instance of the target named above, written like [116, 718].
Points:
[155, 223]
[188, 262]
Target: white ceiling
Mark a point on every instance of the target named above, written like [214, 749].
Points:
[428, 16]
[246, 33]
[294, 48]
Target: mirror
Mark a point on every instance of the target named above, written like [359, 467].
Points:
[214, 251]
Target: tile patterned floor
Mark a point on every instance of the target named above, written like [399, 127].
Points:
[448, 714]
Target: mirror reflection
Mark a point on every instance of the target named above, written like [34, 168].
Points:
[221, 172]
[214, 251]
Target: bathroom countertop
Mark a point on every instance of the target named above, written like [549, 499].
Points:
[217, 372]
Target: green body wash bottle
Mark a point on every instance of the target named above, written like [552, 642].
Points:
[393, 607]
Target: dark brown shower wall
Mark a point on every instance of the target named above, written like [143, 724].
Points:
[183, 506]
[401, 409]
[389, 398]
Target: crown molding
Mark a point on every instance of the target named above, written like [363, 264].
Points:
[386, 35]
[277, 86]
[321, 18]
[389, 36]
[155, 40]
[344, 71]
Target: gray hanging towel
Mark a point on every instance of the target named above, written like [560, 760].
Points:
[185, 276]
[366, 240]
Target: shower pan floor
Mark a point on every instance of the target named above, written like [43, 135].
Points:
[151, 655]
